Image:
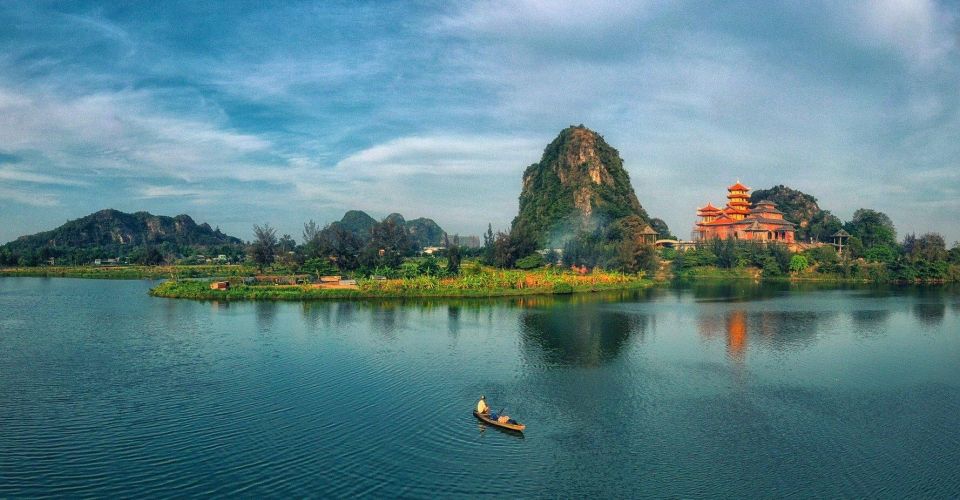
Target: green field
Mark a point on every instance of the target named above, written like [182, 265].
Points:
[488, 283]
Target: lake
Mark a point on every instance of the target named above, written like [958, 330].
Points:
[711, 390]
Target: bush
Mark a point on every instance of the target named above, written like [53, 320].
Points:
[798, 264]
[667, 253]
[563, 288]
[880, 253]
[531, 261]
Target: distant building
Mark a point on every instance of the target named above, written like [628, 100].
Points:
[739, 221]
[470, 241]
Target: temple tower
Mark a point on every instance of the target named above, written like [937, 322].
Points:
[738, 206]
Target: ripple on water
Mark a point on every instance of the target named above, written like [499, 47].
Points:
[145, 397]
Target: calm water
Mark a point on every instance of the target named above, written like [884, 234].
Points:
[722, 391]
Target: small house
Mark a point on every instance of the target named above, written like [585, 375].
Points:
[220, 285]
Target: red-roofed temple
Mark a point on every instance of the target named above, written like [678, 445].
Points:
[738, 220]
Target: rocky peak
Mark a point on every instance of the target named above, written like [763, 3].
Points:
[579, 184]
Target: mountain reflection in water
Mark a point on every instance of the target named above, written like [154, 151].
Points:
[808, 390]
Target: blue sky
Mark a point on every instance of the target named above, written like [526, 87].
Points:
[240, 113]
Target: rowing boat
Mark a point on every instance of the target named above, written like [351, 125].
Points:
[486, 419]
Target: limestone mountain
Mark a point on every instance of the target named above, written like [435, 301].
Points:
[357, 222]
[112, 233]
[578, 184]
[426, 232]
[422, 231]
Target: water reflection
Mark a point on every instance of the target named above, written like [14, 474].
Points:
[588, 335]
[780, 330]
[733, 291]
[453, 320]
[265, 312]
[931, 305]
[869, 322]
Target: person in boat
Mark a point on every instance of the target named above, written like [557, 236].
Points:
[485, 410]
[482, 407]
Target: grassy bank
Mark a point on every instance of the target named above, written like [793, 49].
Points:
[489, 283]
[130, 272]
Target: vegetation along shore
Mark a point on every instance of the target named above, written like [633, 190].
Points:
[580, 227]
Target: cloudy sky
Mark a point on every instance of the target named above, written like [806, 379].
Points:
[240, 113]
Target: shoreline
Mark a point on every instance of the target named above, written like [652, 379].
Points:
[129, 272]
[200, 290]
[192, 282]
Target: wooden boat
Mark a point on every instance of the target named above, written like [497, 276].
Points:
[486, 419]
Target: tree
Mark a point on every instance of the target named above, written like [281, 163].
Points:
[453, 255]
[930, 247]
[880, 253]
[823, 225]
[147, 256]
[389, 243]
[286, 244]
[501, 250]
[311, 240]
[872, 228]
[663, 232]
[264, 245]
[488, 245]
[342, 245]
[954, 254]
[798, 264]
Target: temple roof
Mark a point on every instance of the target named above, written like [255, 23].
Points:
[724, 220]
[709, 208]
[738, 187]
[775, 222]
[769, 208]
[648, 230]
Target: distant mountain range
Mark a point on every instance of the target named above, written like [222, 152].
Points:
[111, 233]
[423, 232]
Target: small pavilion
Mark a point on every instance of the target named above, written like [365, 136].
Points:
[839, 239]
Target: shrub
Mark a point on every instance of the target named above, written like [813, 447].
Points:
[798, 264]
[531, 261]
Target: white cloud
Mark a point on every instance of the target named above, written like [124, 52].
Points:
[441, 155]
[922, 31]
[127, 133]
[29, 197]
[10, 174]
[176, 192]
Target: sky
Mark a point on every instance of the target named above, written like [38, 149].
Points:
[242, 113]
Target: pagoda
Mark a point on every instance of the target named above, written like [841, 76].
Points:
[738, 220]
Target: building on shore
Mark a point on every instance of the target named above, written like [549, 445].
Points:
[738, 220]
